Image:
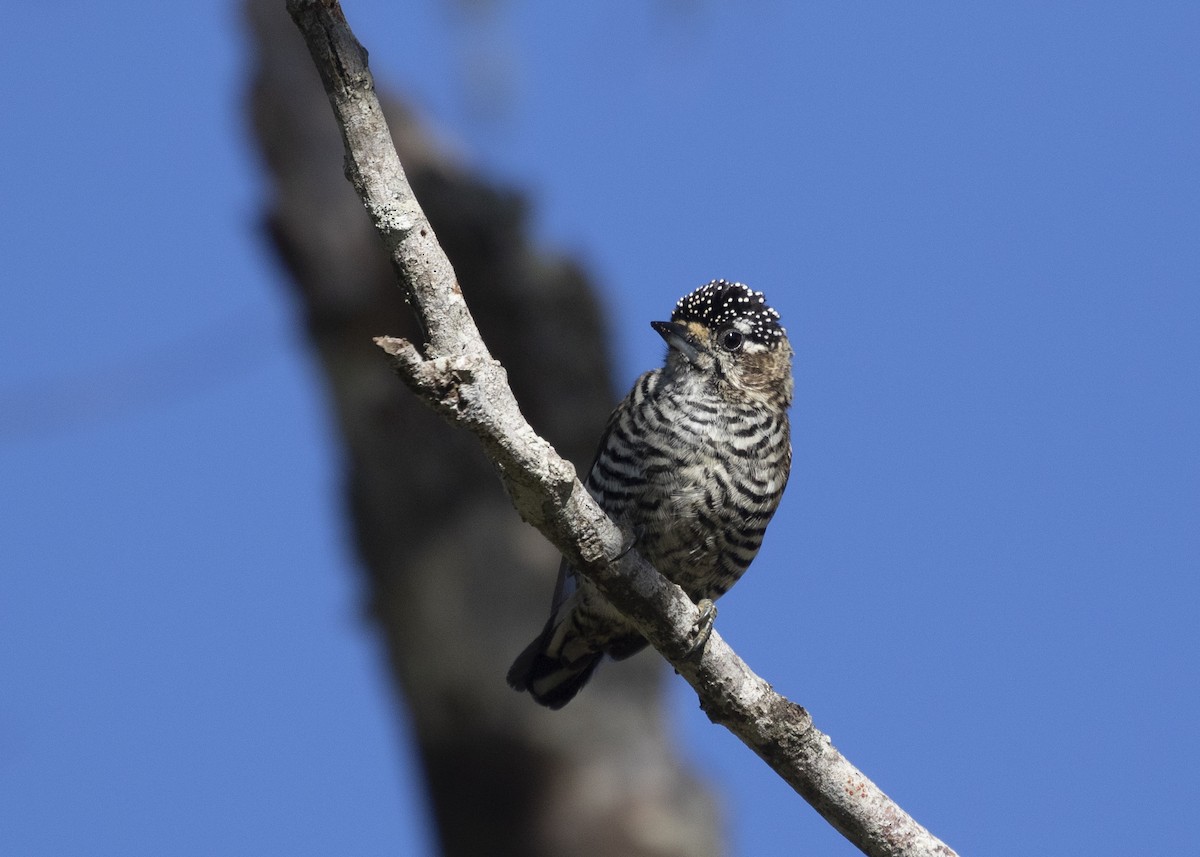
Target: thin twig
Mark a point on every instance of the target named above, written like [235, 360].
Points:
[458, 377]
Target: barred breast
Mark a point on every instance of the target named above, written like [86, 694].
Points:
[694, 478]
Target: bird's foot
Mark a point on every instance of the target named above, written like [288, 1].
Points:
[703, 628]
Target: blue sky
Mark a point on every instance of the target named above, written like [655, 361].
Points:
[980, 225]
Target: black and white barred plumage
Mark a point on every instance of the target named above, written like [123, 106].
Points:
[692, 464]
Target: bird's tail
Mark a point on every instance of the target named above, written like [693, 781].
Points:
[550, 680]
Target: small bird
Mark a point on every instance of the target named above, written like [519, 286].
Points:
[692, 465]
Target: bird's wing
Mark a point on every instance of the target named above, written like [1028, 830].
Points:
[567, 583]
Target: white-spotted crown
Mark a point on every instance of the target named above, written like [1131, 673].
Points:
[720, 303]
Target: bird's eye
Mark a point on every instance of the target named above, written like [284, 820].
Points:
[730, 340]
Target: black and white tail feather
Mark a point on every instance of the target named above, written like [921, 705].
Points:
[551, 679]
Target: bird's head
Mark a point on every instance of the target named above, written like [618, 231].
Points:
[726, 336]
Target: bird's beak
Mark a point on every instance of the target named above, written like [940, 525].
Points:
[679, 338]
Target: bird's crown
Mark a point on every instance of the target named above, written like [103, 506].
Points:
[721, 303]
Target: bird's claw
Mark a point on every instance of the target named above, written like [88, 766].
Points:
[703, 628]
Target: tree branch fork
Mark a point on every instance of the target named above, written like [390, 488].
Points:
[457, 377]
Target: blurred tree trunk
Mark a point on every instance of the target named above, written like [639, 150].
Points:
[456, 583]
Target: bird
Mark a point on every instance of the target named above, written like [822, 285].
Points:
[691, 465]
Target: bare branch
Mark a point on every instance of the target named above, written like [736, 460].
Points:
[457, 377]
